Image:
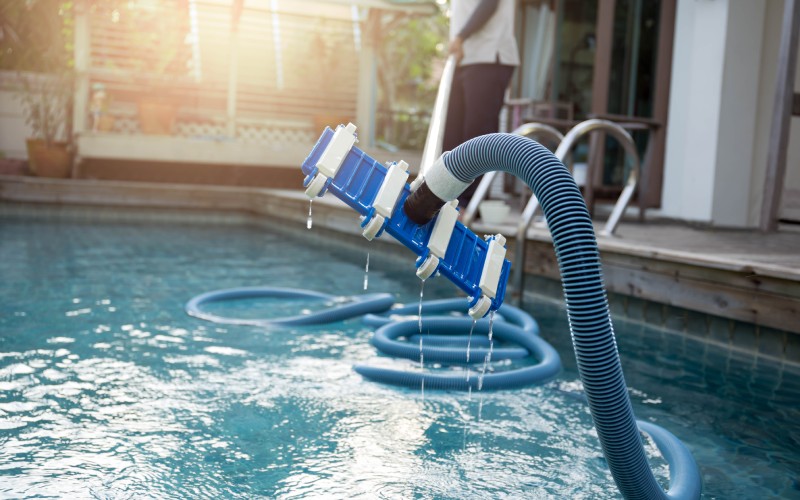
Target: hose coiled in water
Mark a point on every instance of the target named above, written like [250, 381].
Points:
[359, 305]
[445, 341]
[587, 306]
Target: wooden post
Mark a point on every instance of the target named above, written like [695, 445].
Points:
[650, 185]
[781, 118]
[367, 79]
[600, 83]
[80, 99]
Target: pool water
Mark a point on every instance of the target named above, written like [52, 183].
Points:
[108, 389]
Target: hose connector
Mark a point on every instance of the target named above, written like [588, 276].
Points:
[438, 187]
[422, 205]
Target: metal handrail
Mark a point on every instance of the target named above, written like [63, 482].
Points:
[435, 138]
[626, 141]
[564, 148]
[526, 130]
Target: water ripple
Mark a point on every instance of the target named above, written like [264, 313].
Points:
[107, 388]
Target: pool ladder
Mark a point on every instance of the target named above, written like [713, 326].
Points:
[565, 145]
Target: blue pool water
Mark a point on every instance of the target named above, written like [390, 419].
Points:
[108, 389]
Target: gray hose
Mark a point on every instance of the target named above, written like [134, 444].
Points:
[587, 306]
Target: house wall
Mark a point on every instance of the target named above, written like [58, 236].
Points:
[13, 129]
[723, 86]
[738, 110]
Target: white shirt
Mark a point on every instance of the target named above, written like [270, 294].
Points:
[494, 41]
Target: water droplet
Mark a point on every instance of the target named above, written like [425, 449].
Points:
[366, 273]
[419, 313]
[421, 356]
[469, 339]
[491, 343]
[309, 222]
[491, 324]
[469, 343]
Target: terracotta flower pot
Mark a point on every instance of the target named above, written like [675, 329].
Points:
[53, 161]
[105, 123]
[156, 117]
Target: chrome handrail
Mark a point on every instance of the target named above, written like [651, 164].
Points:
[526, 129]
[564, 148]
[435, 138]
[626, 141]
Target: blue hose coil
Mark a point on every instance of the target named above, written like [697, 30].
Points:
[548, 366]
[520, 328]
[363, 304]
[443, 341]
[587, 308]
[441, 307]
[455, 340]
[385, 340]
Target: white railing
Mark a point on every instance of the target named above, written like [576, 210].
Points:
[270, 82]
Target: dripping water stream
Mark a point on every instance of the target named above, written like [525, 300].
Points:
[486, 362]
[469, 343]
[366, 273]
[421, 356]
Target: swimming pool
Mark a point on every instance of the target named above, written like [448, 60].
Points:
[110, 389]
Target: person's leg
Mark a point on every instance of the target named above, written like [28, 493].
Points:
[484, 93]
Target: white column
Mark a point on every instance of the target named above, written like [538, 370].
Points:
[367, 81]
[233, 79]
[82, 53]
[713, 108]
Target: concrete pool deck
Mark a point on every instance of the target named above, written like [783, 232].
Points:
[738, 288]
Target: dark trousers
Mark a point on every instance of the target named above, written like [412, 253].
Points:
[476, 99]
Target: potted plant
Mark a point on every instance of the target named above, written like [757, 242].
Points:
[38, 47]
[45, 99]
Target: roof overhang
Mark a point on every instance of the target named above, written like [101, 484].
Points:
[413, 7]
[428, 7]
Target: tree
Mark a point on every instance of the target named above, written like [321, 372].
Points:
[406, 56]
[408, 52]
[36, 35]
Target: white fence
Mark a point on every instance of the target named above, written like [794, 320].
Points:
[271, 80]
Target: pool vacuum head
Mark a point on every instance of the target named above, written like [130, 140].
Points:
[429, 228]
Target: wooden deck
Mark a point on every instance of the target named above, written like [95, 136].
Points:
[736, 288]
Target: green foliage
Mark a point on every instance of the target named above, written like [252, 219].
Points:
[37, 41]
[156, 33]
[411, 52]
[322, 57]
[407, 55]
[36, 35]
[46, 101]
